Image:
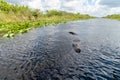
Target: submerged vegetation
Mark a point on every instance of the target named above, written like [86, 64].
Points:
[20, 19]
[114, 16]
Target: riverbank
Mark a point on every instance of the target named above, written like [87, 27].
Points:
[9, 29]
[114, 16]
[16, 19]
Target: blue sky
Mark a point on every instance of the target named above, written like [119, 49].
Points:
[92, 7]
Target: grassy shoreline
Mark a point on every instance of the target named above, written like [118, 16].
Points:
[16, 19]
[114, 16]
[9, 29]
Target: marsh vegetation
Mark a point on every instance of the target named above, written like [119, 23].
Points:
[20, 19]
[114, 16]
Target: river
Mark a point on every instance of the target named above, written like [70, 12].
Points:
[79, 50]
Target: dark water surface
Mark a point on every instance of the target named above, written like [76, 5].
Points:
[50, 53]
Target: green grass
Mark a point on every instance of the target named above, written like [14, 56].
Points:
[16, 19]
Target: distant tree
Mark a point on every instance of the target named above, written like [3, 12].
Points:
[36, 13]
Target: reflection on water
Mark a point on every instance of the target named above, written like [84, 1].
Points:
[48, 53]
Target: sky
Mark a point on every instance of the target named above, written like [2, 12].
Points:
[97, 8]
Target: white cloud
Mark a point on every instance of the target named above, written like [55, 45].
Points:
[51, 4]
[92, 7]
[110, 3]
[36, 4]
